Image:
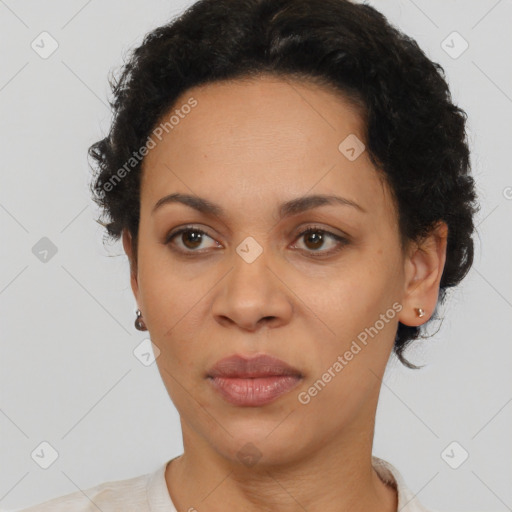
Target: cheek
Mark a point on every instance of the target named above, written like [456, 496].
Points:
[165, 293]
[357, 308]
[176, 312]
[349, 296]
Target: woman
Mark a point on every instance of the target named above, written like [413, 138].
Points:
[290, 181]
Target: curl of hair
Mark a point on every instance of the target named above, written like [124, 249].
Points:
[415, 135]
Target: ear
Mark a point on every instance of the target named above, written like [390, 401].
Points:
[424, 269]
[128, 248]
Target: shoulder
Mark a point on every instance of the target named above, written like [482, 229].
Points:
[112, 496]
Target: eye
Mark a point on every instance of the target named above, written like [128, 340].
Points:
[315, 238]
[191, 239]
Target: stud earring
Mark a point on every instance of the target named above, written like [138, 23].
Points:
[139, 322]
[420, 312]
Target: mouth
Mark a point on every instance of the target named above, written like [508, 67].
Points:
[253, 382]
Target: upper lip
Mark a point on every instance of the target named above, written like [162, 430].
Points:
[262, 365]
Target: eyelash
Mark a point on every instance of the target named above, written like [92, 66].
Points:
[342, 241]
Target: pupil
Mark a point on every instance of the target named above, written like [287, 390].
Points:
[313, 236]
[194, 236]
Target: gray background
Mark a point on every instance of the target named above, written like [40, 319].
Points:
[68, 374]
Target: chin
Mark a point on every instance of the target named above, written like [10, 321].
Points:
[262, 443]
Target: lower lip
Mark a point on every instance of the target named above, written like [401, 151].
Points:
[256, 391]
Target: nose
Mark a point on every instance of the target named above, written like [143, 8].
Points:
[252, 295]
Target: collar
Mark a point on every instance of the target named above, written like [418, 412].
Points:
[159, 499]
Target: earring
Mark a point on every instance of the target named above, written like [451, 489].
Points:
[139, 322]
[420, 312]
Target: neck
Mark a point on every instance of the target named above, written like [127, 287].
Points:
[336, 477]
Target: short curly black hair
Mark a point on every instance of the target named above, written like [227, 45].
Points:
[415, 135]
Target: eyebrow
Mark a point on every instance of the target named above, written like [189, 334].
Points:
[287, 209]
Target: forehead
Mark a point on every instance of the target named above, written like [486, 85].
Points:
[265, 138]
[277, 113]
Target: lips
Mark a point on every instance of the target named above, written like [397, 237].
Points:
[253, 382]
[259, 366]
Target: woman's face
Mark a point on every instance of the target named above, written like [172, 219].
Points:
[252, 284]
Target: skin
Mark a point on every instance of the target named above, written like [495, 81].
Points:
[249, 146]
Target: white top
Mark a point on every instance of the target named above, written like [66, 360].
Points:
[148, 493]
